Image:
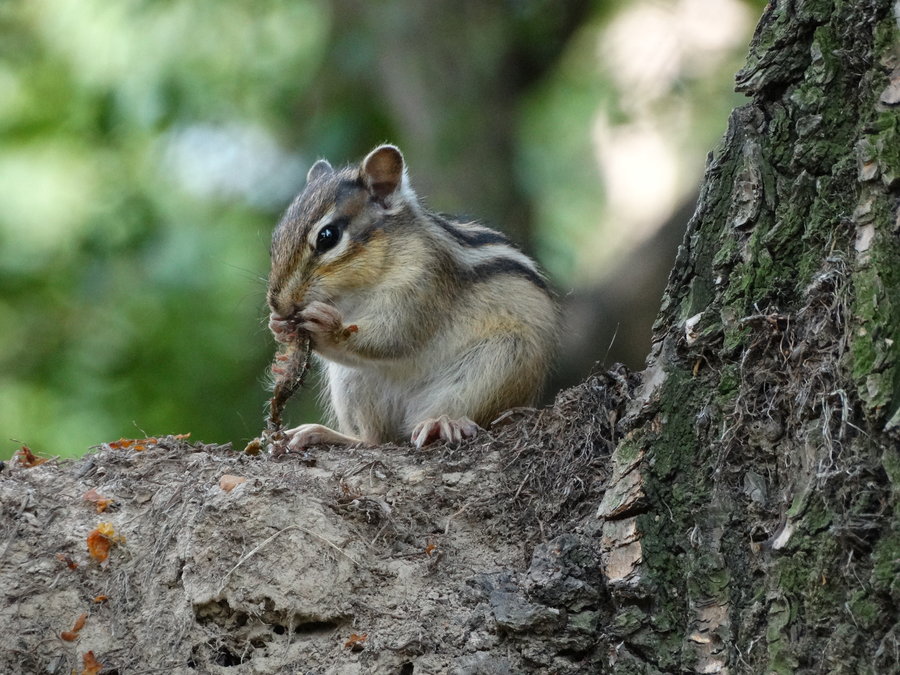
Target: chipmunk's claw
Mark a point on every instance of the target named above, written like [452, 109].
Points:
[444, 429]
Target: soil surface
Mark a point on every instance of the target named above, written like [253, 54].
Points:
[481, 558]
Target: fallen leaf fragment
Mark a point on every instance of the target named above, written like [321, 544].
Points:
[101, 539]
[141, 444]
[356, 642]
[135, 444]
[100, 598]
[102, 503]
[122, 443]
[67, 559]
[72, 635]
[98, 546]
[28, 459]
[227, 483]
[91, 665]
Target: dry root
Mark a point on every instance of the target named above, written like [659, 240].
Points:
[289, 371]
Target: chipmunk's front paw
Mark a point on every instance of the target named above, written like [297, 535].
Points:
[307, 435]
[284, 330]
[325, 324]
[443, 428]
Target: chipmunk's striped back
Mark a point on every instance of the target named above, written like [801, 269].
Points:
[484, 253]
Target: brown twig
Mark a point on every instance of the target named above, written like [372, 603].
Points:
[289, 370]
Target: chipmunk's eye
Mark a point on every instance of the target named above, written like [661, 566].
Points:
[329, 236]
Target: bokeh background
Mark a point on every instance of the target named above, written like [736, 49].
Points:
[147, 147]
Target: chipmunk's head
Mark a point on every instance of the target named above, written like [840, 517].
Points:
[331, 242]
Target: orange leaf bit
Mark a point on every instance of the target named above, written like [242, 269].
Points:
[102, 503]
[101, 539]
[98, 546]
[356, 642]
[72, 635]
[100, 598]
[67, 559]
[28, 459]
[141, 444]
[91, 665]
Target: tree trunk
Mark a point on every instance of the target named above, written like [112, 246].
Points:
[733, 508]
[768, 523]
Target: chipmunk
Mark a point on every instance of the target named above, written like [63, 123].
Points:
[428, 327]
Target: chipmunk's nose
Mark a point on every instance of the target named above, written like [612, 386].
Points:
[283, 307]
[288, 297]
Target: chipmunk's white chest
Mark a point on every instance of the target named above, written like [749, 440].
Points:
[371, 402]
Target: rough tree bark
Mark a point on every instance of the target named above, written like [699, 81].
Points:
[765, 494]
[733, 508]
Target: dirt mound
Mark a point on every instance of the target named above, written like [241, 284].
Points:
[476, 559]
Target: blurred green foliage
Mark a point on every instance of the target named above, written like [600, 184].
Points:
[139, 180]
[148, 147]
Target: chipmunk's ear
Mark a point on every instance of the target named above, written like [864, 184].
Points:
[383, 171]
[319, 169]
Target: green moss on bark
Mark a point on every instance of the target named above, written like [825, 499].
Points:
[886, 566]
